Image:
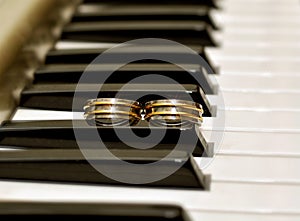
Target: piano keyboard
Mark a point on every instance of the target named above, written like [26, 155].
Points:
[250, 133]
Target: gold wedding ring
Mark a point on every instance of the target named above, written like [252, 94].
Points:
[112, 112]
[173, 112]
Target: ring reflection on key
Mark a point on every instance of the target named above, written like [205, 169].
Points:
[112, 112]
[173, 113]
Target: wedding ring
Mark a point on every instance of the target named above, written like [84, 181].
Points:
[112, 112]
[173, 112]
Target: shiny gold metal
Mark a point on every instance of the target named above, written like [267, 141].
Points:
[112, 101]
[174, 103]
[112, 112]
[173, 112]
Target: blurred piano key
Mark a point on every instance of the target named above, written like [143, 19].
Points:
[185, 32]
[31, 135]
[74, 167]
[145, 12]
[109, 211]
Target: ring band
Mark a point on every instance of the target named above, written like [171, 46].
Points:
[173, 112]
[112, 112]
[174, 103]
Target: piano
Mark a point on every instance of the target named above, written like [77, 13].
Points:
[245, 163]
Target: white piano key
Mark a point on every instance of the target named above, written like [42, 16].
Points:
[263, 66]
[255, 99]
[61, 45]
[254, 168]
[269, 144]
[253, 51]
[31, 114]
[249, 120]
[258, 73]
[262, 8]
[254, 54]
[235, 113]
[231, 19]
[251, 196]
[230, 215]
[262, 82]
[285, 35]
[236, 197]
[261, 44]
[259, 10]
[255, 31]
[268, 2]
[254, 21]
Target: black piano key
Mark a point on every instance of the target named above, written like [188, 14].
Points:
[63, 74]
[60, 135]
[209, 3]
[198, 33]
[98, 12]
[72, 167]
[92, 211]
[60, 96]
[86, 56]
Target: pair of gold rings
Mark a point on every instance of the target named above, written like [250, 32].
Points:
[121, 112]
